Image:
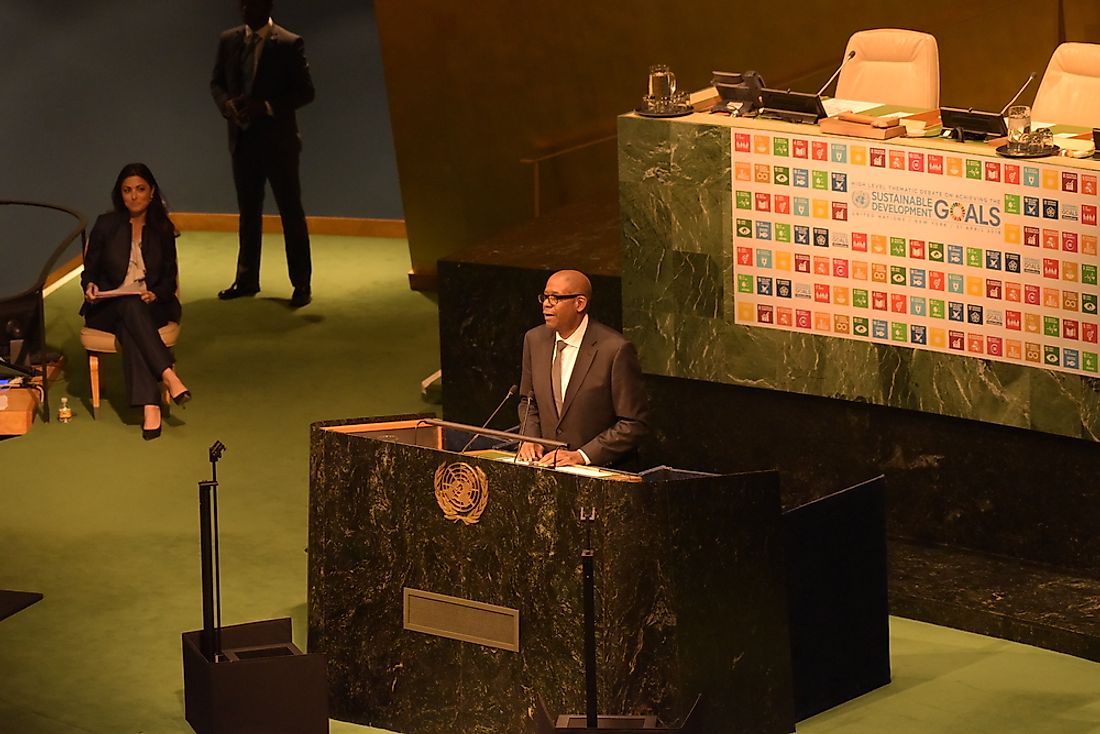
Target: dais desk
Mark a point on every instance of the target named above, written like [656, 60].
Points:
[912, 273]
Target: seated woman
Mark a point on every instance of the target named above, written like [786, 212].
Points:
[129, 281]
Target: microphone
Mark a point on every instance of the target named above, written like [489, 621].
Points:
[523, 422]
[1016, 96]
[851, 55]
[511, 391]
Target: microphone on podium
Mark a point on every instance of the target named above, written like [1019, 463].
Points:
[1016, 96]
[851, 55]
[526, 400]
[511, 391]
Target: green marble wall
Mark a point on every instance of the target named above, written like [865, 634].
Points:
[676, 209]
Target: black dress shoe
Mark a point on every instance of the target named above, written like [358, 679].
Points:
[301, 297]
[236, 291]
[150, 433]
[183, 398]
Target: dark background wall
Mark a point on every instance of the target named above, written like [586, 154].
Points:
[89, 86]
[513, 81]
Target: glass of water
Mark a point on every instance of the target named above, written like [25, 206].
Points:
[662, 82]
[1018, 120]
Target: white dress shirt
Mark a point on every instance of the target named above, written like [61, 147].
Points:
[569, 359]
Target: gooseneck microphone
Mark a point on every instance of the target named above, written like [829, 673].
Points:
[851, 55]
[526, 409]
[523, 421]
[1016, 96]
[511, 391]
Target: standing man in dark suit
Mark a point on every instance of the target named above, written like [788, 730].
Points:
[581, 382]
[260, 78]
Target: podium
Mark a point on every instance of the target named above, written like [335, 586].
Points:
[435, 621]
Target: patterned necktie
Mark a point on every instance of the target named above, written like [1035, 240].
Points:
[555, 374]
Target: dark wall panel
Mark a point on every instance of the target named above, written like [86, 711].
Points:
[90, 86]
[477, 88]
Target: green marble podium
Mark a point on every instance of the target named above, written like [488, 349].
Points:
[690, 590]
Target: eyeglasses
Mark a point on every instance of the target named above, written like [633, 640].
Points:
[554, 298]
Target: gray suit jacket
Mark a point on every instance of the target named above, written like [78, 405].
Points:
[604, 409]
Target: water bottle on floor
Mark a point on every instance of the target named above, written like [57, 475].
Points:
[64, 412]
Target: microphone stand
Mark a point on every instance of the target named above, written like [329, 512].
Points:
[801, 107]
[587, 559]
[522, 431]
[628, 724]
[851, 55]
[210, 639]
[967, 123]
[1016, 96]
[523, 423]
[511, 391]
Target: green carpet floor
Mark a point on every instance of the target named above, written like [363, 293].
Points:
[105, 525]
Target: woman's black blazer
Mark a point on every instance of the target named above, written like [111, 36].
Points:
[108, 257]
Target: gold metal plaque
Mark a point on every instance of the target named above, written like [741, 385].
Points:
[462, 491]
[461, 619]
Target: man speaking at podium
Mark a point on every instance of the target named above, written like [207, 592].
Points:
[581, 382]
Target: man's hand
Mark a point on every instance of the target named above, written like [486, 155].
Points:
[230, 110]
[243, 110]
[251, 108]
[529, 451]
[561, 457]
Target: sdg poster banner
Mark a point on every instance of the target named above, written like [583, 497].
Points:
[916, 247]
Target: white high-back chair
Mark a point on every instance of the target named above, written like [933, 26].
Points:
[892, 66]
[1070, 91]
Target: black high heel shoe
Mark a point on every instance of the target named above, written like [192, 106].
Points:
[183, 398]
[150, 433]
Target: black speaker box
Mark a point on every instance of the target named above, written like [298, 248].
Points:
[263, 684]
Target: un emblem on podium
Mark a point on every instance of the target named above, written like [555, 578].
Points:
[461, 491]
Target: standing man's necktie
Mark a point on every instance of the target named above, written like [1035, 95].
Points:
[555, 374]
[248, 62]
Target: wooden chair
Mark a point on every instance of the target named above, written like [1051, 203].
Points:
[96, 342]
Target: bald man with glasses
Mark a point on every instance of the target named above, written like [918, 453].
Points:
[581, 382]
